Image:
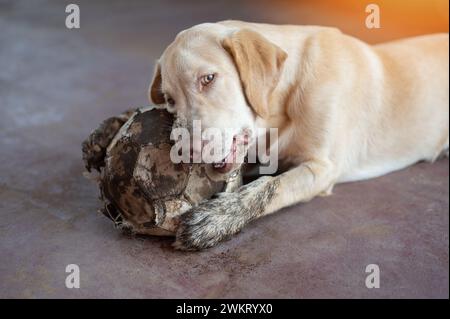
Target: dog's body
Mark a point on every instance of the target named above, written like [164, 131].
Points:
[345, 110]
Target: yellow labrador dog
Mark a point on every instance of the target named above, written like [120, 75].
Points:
[345, 110]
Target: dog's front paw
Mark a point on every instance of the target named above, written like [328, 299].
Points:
[209, 223]
[217, 219]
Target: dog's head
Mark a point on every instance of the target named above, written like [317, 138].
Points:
[221, 77]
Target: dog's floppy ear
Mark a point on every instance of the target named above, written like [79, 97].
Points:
[155, 94]
[259, 63]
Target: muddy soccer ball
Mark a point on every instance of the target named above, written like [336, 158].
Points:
[142, 189]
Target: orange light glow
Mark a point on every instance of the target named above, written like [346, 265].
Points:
[399, 18]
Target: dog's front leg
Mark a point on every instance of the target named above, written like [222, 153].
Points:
[219, 218]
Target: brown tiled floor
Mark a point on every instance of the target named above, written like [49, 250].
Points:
[58, 84]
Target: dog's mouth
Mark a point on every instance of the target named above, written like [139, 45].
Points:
[233, 157]
[226, 164]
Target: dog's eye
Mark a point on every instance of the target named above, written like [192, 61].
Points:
[207, 79]
[170, 101]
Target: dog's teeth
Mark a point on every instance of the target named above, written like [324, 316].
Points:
[219, 165]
